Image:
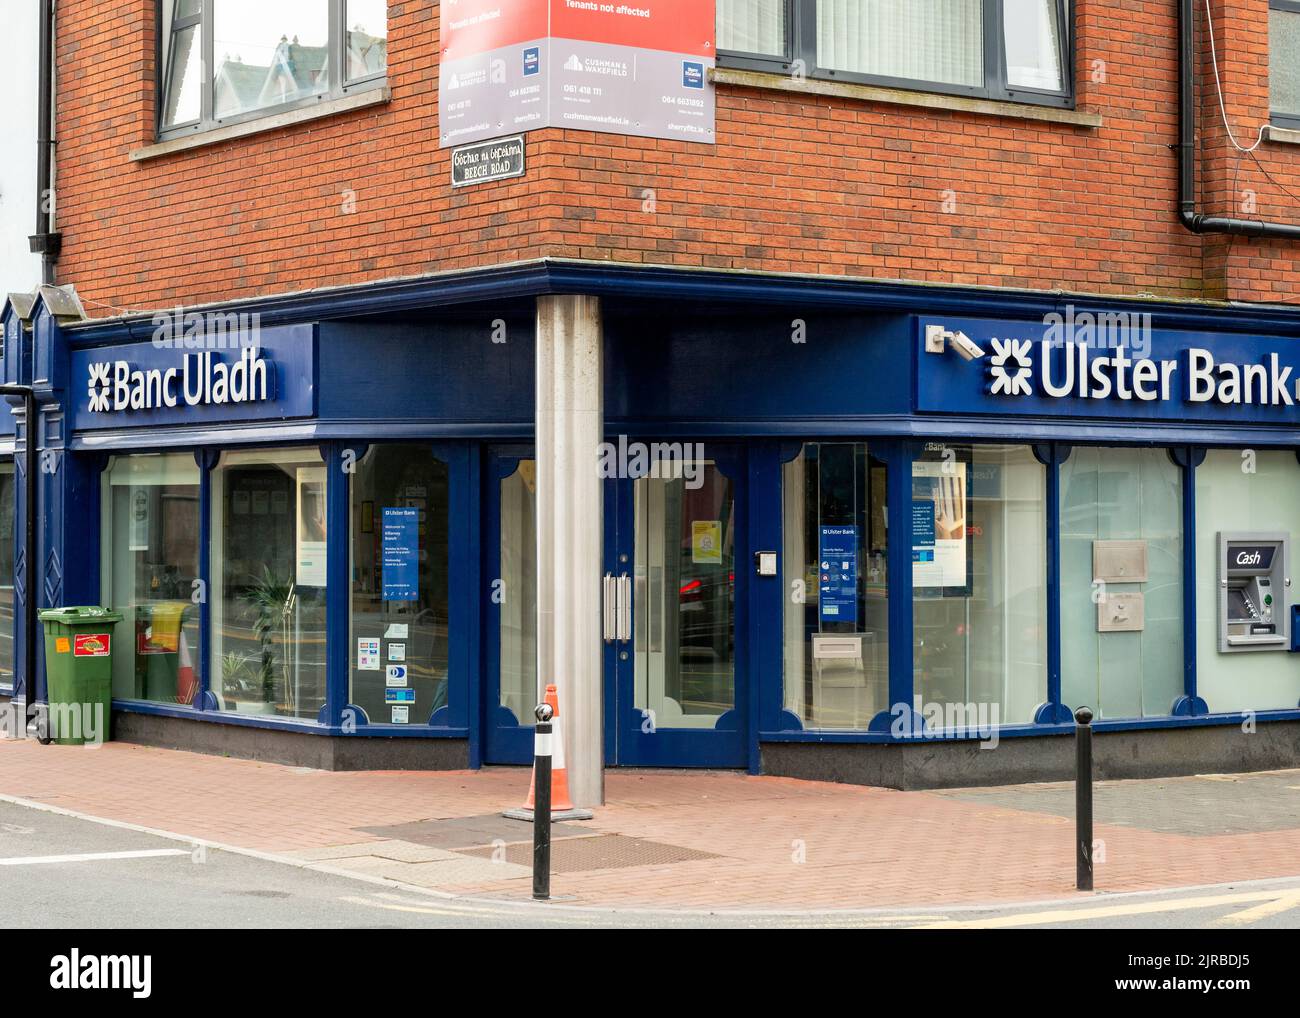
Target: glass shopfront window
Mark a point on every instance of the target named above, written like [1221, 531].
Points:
[1122, 581]
[979, 582]
[7, 517]
[150, 560]
[836, 587]
[1243, 490]
[399, 625]
[268, 578]
[684, 571]
[517, 595]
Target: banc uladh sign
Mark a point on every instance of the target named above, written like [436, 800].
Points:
[271, 377]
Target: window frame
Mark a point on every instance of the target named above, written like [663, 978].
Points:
[801, 47]
[168, 26]
[1282, 118]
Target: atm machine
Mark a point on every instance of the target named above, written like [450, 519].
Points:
[1254, 613]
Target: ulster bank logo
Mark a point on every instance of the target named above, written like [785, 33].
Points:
[99, 387]
[1010, 367]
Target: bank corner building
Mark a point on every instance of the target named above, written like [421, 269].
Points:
[898, 542]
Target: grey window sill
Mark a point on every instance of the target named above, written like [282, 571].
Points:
[902, 97]
[274, 122]
[1282, 135]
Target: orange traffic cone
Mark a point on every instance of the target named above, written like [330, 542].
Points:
[186, 683]
[562, 807]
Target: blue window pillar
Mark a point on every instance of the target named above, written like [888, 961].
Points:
[1189, 704]
[207, 461]
[765, 625]
[341, 460]
[17, 366]
[898, 455]
[1053, 711]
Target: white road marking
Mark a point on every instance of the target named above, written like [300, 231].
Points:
[1111, 911]
[1265, 911]
[49, 860]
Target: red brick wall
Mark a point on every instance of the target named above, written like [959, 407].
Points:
[796, 182]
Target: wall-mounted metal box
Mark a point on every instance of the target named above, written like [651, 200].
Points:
[1121, 613]
[1119, 561]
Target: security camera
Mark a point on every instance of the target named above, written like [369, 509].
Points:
[966, 348]
[937, 338]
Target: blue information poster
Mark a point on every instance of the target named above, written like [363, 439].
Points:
[838, 575]
[401, 554]
[922, 530]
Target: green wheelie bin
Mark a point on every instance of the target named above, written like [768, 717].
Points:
[79, 673]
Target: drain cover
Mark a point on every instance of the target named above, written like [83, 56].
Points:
[602, 852]
[469, 832]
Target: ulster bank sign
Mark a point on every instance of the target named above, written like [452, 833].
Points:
[1122, 368]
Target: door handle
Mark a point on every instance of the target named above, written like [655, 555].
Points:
[624, 620]
[609, 608]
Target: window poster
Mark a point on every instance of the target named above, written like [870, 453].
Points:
[706, 542]
[401, 553]
[939, 545]
[837, 586]
[139, 540]
[311, 527]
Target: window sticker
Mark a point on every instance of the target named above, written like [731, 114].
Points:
[367, 655]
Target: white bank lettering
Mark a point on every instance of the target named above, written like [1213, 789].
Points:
[1078, 371]
[203, 379]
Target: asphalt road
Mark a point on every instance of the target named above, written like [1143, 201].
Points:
[59, 872]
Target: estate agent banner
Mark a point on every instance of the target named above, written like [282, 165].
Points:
[620, 68]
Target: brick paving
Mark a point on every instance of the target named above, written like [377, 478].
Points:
[767, 842]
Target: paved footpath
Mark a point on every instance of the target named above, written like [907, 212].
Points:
[689, 840]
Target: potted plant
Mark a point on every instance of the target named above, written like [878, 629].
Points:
[266, 598]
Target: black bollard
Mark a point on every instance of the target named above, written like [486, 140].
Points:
[1083, 797]
[542, 804]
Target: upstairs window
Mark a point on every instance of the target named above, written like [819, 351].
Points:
[1017, 50]
[264, 57]
[1284, 61]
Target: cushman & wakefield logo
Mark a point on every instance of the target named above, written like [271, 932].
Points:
[202, 379]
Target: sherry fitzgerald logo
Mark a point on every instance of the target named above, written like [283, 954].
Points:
[202, 379]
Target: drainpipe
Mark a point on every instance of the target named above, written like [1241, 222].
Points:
[1187, 214]
[45, 242]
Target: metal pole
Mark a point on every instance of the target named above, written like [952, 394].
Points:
[1083, 798]
[542, 804]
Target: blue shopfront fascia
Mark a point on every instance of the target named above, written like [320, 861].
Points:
[883, 347]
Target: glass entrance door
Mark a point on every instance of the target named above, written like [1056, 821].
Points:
[674, 538]
[673, 601]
